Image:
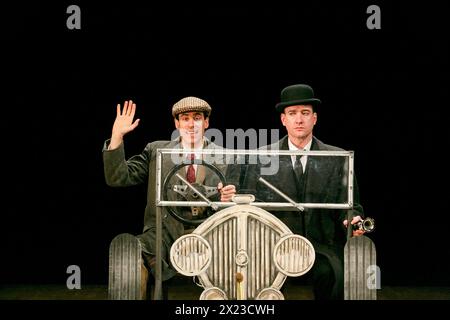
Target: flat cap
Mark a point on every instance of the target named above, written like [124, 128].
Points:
[191, 104]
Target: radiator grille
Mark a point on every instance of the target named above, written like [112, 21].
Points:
[258, 244]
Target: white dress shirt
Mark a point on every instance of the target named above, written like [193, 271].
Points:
[302, 159]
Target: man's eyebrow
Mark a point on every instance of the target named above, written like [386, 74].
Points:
[187, 114]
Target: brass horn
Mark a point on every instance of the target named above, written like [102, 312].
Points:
[367, 225]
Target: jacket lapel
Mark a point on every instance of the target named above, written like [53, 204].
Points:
[310, 170]
[317, 174]
[167, 161]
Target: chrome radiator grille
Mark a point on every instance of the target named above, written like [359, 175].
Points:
[258, 243]
[238, 246]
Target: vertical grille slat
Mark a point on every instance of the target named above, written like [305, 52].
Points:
[234, 267]
[220, 269]
[258, 257]
[252, 256]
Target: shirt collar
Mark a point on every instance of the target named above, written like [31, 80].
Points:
[294, 147]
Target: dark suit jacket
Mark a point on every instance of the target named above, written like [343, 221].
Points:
[139, 169]
[322, 182]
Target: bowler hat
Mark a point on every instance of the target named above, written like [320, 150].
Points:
[296, 94]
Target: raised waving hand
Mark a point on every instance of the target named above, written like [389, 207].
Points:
[123, 123]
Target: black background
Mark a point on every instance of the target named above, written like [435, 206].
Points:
[384, 95]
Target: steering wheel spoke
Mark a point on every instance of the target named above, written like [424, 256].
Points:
[181, 189]
[210, 191]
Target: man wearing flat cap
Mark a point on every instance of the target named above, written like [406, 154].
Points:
[308, 179]
[191, 118]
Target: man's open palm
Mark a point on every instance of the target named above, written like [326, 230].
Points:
[124, 120]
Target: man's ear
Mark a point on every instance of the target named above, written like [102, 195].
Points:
[177, 123]
[206, 123]
[315, 118]
[283, 118]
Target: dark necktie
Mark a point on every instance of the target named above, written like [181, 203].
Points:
[190, 174]
[298, 167]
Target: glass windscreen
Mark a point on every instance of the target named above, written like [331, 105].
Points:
[278, 179]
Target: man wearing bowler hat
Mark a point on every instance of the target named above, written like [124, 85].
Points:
[191, 118]
[308, 179]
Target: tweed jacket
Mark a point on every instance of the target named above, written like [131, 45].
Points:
[141, 169]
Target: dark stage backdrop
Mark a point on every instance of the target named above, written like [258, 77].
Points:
[384, 94]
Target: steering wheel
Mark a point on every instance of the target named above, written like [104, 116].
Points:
[193, 215]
